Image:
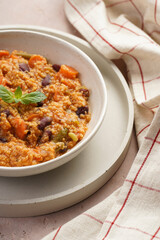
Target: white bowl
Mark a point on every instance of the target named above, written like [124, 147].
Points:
[60, 52]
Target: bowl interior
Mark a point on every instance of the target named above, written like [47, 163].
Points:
[58, 51]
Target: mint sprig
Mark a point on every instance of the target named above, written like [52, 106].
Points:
[18, 96]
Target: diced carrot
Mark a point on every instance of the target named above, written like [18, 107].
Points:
[35, 58]
[20, 127]
[32, 116]
[3, 81]
[4, 53]
[68, 72]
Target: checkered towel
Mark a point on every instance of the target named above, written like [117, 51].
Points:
[130, 30]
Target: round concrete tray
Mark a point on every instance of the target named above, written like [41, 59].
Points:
[78, 179]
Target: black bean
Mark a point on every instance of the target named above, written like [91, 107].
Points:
[44, 137]
[28, 133]
[7, 112]
[56, 67]
[39, 104]
[82, 110]
[24, 67]
[46, 81]
[44, 122]
[63, 150]
[3, 140]
[85, 92]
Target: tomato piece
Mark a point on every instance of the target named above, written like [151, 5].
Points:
[20, 127]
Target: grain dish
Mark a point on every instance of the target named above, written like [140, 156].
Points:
[37, 131]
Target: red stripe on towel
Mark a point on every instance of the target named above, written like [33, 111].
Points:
[132, 185]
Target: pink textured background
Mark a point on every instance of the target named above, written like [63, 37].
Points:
[50, 13]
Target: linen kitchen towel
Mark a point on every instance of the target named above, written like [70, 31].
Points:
[130, 30]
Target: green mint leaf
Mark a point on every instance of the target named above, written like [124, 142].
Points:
[18, 93]
[6, 95]
[32, 97]
[28, 98]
